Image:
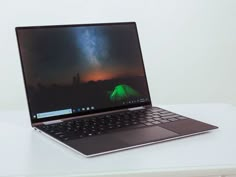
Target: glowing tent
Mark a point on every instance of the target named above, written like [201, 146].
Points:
[122, 92]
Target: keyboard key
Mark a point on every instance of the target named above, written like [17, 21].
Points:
[157, 118]
[172, 119]
[156, 115]
[148, 123]
[58, 133]
[156, 122]
[150, 120]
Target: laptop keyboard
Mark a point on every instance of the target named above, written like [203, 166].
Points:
[93, 126]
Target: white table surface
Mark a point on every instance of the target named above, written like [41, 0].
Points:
[25, 152]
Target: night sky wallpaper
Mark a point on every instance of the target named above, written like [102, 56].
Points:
[80, 66]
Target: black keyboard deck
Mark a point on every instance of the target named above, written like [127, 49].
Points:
[92, 126]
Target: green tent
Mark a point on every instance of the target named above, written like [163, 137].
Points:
[122, 92]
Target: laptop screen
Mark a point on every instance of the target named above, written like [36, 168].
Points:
[75, 70]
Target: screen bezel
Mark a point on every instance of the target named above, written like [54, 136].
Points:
[35, 120]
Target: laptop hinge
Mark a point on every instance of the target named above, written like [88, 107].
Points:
[136, 108]
[52, 122]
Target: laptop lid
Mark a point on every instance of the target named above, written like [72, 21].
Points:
[73, 70]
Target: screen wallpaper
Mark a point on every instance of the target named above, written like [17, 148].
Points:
[81, 68]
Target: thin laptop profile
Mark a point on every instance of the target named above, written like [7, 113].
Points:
[86, 88]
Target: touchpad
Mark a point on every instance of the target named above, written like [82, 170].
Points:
[144, 135]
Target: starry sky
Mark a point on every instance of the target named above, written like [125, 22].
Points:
[54, 55]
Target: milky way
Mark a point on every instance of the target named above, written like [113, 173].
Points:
[93, 45]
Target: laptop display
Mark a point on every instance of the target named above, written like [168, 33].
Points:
[81, 69]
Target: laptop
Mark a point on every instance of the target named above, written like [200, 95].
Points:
[86, 88]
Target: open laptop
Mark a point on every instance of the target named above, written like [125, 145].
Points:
[86, 88]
